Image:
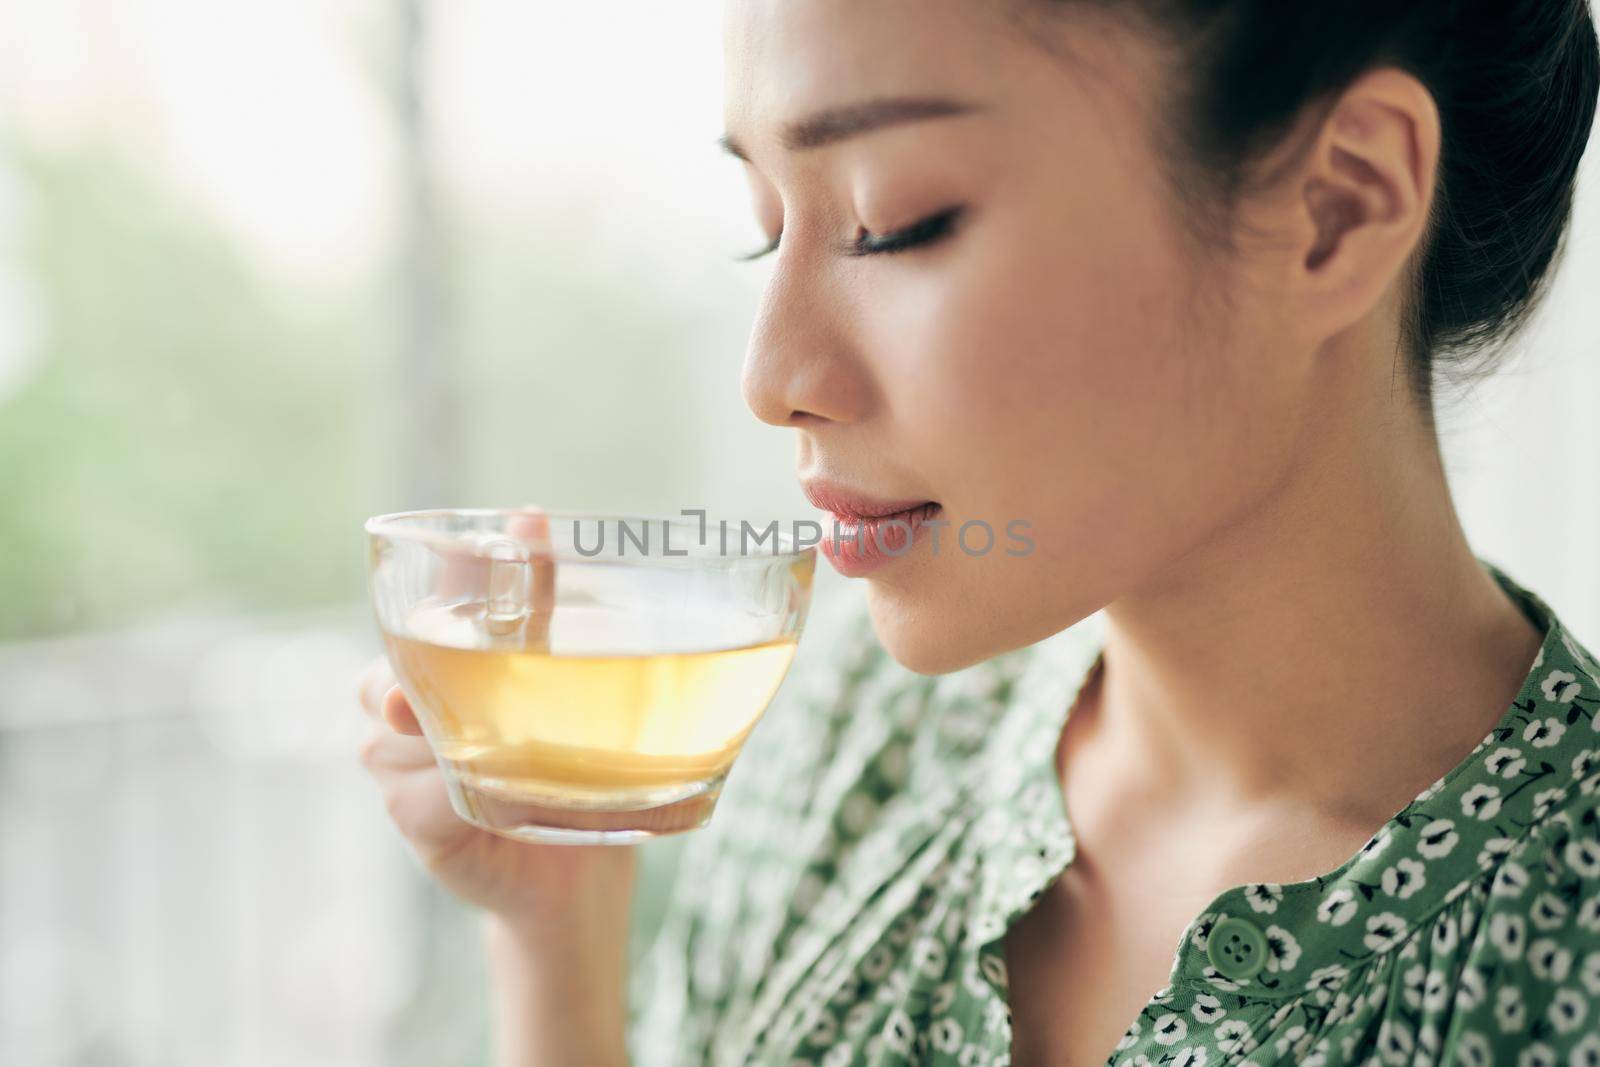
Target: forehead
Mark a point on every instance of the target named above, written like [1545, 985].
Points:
[784, 58]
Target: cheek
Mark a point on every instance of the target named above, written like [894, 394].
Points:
[1057, 371]
[1044, 338]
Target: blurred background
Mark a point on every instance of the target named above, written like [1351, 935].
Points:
[269, 268]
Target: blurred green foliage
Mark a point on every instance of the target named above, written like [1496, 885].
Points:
[188, 433]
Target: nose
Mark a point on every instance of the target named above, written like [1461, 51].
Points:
[801, 365]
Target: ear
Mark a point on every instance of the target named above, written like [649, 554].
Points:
[1357, 203]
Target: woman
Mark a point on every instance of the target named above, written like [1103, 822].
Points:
[1169, 282]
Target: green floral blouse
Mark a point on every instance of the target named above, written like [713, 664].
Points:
[883, 829]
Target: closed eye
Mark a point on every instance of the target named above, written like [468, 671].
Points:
[926, 232]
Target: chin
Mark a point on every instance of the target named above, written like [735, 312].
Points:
[926, 640]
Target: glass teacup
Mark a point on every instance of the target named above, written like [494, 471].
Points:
[584, 678]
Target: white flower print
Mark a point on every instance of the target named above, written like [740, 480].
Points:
[1289, 1037]
[1589, 975]
[1404, 878]
[1510, 880]
[1505, 762]
[945, 1035]
[1567, 1010]
[1560, 687]
[1202, 930]
[1263, 896]
[1427, 1043]
[1589, 914]
[1510, 1010]
[1328, 978]
[994, 969]
[902, 928]
[1214, 976]
[1337, 907]
[877, 963]
[1130, 1036]
[1207, 1009]
[1395, 1041]
[1283, 951]
[1582, 854]
[929, 957]
[1584, 763]
[1233, 1036]
[1342, 1003]
[1586, 1053]
[1482, 801]
[1472, 1049]
[1376, 844]
[1436, 992]
[1438, 838]
[898, 1031]
[1543, 733]
[1412, 992]
[1445, 934]
[1169, 1029]
[895, 987]
[840, 1055]
[1193, 1056]
[1469, 988]
[1549, 911]
[1538, 1054]
[1545, 799]
[1493, 849]
[1508, 934]
[857, 1019]
[1384, 931]
[1548, 960]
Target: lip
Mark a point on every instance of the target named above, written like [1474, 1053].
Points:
[849, 505]
[867, 531]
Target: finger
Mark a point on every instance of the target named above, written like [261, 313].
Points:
[466, 572]
[420, 807]
[465, 564]
[396, 711]
[384, 751]
[533, 527]
[375, 682]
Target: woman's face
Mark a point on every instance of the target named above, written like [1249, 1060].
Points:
[1055, 363]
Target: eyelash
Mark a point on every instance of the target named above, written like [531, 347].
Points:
[926, 232]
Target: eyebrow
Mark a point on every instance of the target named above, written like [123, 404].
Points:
[841, 123]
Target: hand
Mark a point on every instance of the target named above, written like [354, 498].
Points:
[537, 889]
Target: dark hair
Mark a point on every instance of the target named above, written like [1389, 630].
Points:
[1515, 82]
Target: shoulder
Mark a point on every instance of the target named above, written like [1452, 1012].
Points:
[1530, 978]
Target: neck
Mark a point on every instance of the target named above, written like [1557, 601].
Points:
[1339, 645]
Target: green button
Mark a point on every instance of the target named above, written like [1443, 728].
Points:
[1238, 950]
